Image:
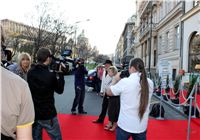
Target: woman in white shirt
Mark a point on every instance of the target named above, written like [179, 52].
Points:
[135, 94]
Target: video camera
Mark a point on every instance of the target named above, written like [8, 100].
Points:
[63, 61]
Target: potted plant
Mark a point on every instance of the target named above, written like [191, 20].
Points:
[157, 83]
[192, 81]
[176, 89]
[167, 89]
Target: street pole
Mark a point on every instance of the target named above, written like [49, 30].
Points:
[150, 32]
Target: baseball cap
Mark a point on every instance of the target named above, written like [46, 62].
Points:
[108, 62]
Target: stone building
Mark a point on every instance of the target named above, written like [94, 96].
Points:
[191, 36]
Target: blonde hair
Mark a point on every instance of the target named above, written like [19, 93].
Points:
[113, 69]
[24, 55]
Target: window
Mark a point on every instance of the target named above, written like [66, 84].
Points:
[177, 37]
[154, 56]
[160, 45]
[167, 41]
[196, 2]
[194, 53]
[173, 74]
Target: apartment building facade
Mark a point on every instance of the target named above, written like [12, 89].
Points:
[191, 36]
[160, 34]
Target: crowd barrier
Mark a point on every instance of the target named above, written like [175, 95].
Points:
[187, 101]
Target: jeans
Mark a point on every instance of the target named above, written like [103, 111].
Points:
[123, 135]
[51, 126]
[79, 99]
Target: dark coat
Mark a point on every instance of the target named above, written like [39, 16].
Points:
[43, 84]
[80, 72]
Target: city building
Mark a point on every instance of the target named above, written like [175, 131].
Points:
[160, 35]
[119, 51]
[191, 36]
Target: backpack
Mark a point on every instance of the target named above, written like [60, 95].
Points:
[155, 110]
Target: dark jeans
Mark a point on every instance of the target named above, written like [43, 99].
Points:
[123, 135]
[113, 108]
[104, 108]
[51, 126]
[79, 99]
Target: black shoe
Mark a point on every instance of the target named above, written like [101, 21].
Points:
[82, 112]
[97, 121]
[73, 112]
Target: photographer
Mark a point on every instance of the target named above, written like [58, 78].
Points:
[79, 72]
[135, 94]
[43, 84]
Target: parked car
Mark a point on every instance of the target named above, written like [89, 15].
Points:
[91, 79]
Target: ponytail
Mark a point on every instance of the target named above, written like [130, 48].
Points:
[138, 64]
[144, 97]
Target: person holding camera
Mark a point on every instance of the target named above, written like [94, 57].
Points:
[79, 72]
[43, 84]
[135, 95]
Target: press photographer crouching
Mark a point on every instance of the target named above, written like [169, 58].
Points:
[43, 84]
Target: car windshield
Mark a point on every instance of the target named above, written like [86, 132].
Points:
[91, 71]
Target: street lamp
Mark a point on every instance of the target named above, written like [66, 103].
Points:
[75, 40]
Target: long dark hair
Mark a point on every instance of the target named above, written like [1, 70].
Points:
[138, 64]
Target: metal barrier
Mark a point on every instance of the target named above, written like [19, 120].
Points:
[192, 98]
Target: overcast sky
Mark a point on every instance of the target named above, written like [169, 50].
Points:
[107, 17]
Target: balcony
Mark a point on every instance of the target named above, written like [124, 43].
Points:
[146, 30]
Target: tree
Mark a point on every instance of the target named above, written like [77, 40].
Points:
[100, 58]
[47, 31]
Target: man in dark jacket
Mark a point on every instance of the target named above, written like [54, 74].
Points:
[43, 84]
[79, 73]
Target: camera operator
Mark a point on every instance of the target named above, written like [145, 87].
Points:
[43, 84]
[79, 72]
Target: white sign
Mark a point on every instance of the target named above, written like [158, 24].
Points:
[165, 69]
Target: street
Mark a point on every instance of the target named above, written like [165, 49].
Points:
[63, 102]
[93, 102]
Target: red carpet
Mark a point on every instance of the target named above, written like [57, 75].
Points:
[81, 128]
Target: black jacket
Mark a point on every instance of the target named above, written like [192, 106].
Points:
[80, 72]
[43, 84]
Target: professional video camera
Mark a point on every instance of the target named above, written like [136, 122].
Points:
[63, 61]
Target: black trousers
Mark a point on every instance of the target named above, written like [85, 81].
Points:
[79, 98]
[104, 108]
[113, 108]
